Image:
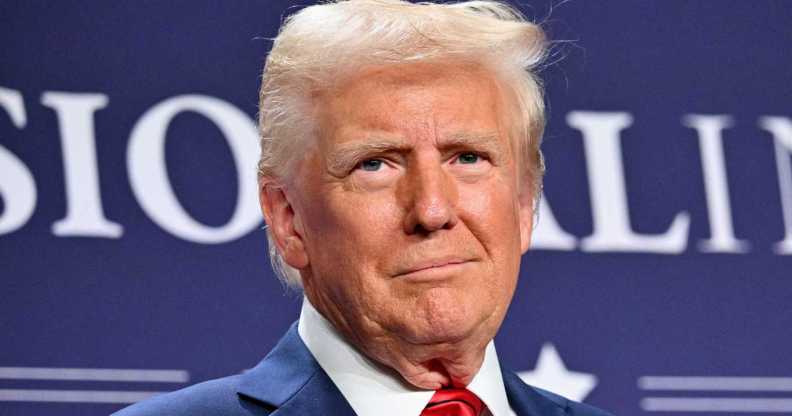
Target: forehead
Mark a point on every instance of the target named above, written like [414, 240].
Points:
[412, 101]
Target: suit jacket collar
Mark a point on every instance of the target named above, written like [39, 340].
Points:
[290, 380]
[527, 400]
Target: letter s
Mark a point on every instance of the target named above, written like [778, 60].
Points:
[17, 187]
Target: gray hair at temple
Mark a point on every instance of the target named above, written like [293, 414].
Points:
[321, 45]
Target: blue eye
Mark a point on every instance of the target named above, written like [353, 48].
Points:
[371, 165]
[468, 158]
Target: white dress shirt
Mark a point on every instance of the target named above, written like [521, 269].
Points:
[374, 390]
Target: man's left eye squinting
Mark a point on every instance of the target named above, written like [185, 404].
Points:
[468, 158]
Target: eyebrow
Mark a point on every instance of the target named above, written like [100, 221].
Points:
[346, 155]
[487, 142]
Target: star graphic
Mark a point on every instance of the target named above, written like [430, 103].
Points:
[551, 374]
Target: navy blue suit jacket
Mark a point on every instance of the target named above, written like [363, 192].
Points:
[289, 382]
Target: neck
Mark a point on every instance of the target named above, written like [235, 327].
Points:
[431, 366]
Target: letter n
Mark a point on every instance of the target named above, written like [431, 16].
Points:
[781, 129]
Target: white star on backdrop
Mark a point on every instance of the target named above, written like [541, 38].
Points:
[551, 374]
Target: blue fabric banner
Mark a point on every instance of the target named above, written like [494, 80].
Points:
[133, 260]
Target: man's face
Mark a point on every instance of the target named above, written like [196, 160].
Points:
[409, 206]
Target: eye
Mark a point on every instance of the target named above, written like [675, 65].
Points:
[370, 165]
[468, 158]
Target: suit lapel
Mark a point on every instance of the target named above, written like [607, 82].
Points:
[527, 401]
[290, 381]
[318, 397]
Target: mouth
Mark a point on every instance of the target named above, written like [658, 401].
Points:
[433, 268]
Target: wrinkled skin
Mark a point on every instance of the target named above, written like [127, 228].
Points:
[407, 219]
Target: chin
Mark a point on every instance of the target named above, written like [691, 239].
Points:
[447, 321]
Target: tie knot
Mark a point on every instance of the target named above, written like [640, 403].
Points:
[454, 402]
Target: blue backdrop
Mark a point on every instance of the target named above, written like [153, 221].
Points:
[132, 260]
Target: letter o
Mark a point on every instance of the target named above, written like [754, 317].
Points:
[149, 177]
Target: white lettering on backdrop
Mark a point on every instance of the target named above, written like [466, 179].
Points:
[716, 184]
[147, 170]
[548, 235]
[149, 177]
[84, 214]
[17, 186]
[612, 229]
[781, 129]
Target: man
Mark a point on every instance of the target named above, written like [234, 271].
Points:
[399, 173]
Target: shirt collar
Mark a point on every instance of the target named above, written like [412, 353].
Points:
[372, 389]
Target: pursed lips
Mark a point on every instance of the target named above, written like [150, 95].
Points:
[432, 264]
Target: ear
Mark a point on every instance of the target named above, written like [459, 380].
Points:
[526, 202]
[284, 226]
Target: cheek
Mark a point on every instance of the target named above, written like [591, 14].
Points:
[352, 237]
[350, 231]
[492, 212]
[493, 219]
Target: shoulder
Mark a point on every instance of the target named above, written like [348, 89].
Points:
[530, 400]
[274, 382]
[570, 407]
[213, 397]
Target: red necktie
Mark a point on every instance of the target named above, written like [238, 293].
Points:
[454, 402]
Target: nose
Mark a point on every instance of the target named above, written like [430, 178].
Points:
[432, 198]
